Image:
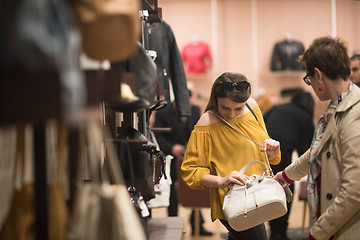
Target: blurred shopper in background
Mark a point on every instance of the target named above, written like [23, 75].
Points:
[292, 125]
[355, 69]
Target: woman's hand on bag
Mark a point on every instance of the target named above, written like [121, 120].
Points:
[233, 177]
[272, 147]
[279, 177]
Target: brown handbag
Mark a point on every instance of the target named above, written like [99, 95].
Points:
[110, 28]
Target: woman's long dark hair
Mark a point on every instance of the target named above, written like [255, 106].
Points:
[235, 95]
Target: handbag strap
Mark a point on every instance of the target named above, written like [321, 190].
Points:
[250, 109]
[246, 166]
[258, 144]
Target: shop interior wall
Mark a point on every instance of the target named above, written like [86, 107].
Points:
[242, 35]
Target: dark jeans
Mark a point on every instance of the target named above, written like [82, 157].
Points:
[255, 233]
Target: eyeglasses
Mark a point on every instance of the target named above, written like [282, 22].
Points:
[307, 79]
[226, 86]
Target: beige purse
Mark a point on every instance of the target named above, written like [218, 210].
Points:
[110, 28]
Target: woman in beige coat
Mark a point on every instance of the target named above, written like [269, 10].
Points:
[332, 164]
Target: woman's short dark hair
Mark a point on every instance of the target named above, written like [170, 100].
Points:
[329, 55]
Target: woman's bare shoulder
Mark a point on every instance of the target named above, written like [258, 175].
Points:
[207, 119]
[252, 103]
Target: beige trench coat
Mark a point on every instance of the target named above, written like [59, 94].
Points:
[339, 155]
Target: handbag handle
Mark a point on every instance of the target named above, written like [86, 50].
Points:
[246, 166]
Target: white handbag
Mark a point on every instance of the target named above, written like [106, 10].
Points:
[260, 200]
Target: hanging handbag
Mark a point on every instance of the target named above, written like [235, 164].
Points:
[148, 162]
[109, 28]
[136, 196]
[162, 183]
[101, 210]
[260, 200]
[158, 159]
[162, 189]
[140, 161]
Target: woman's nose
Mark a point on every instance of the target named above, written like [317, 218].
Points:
[231, 114]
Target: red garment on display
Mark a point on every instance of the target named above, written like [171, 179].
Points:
[196, 58]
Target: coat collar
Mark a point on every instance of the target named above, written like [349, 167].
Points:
[350, 100]
[347, 103]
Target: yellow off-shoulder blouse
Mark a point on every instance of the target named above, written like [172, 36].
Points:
[218, 144]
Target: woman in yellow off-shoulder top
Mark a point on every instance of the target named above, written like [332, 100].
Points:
[213, 143]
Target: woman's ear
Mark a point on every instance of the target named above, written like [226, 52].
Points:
[318, 73]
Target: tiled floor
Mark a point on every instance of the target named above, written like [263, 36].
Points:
[294, 231]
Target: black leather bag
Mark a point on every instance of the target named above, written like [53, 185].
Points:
[148, 163]
[136, 197]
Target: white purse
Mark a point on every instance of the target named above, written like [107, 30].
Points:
[260, 200]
